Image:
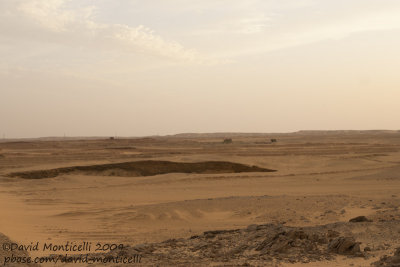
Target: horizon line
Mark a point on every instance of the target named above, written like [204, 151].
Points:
[189, 133]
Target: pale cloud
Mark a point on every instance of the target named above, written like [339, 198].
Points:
[52, 21]
[254, 24]
[47, 14]
[221, 30]
[279, 25]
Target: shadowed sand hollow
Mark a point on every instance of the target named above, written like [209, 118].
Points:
[144, 168]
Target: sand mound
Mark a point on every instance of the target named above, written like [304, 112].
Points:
[143, 168]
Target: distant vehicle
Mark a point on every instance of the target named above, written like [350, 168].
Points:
[227, 141]
[273, 140]
[112, 138]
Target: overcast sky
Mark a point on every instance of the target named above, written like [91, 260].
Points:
[145, 67]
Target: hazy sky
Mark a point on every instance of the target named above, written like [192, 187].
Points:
[144, 67]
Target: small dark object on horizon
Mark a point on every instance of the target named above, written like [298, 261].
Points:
[228, 141]
[273, 140]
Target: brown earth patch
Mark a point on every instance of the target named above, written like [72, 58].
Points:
[143, 168]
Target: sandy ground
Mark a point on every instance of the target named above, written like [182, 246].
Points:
[321, 178]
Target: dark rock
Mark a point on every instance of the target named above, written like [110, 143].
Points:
[389, 261]
[255, 244]
[218, 232]
[252, 227]
[332, 234]
[344, 246]
[209, 235]
[360, 219]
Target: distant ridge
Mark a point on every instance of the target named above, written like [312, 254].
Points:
[346, 131]
[203, 135]
[218, 135]
[301, 132]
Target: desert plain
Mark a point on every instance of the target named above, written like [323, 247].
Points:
[191, 200]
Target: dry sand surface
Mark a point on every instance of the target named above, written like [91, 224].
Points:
[190, 200]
